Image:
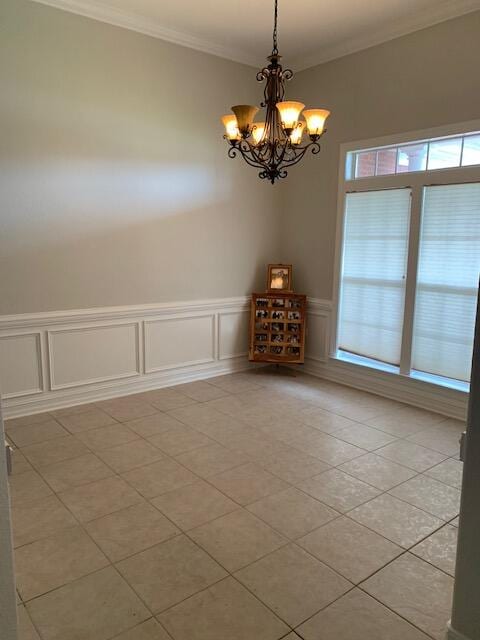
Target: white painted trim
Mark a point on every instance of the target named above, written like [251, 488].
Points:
[317, 304]
[321, 309]
[411, 276]
[141, 350]
[227, 356]
[143, 24]
[87, 327]
[414, 21]
[38, 342]
[189, 363]
[398, 387]
[401, 388]
[118, 313]
[392, 385]
[115, 389]
[414, 181]
[452, 634]
[57, 395]
[393, 139]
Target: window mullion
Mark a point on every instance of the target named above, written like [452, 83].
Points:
[411, 279]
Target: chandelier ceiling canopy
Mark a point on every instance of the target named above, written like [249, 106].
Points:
[275, 144]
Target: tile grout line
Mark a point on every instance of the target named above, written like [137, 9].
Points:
[206, 480]
[289, 541]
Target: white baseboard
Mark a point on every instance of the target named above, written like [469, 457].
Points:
[421, 394]
[401, 388]
[57, 359]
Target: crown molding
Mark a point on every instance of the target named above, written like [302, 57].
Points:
[142, 24]
[443, 10]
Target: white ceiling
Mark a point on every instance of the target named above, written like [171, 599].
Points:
[310, 31]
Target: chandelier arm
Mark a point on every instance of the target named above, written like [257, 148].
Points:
[296, 159]
[232, 152]
[315, 148]
[250, 149]
[265, 153]
[252, 162]
[286, 146]
[248, 154]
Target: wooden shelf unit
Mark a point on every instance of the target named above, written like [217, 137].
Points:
[277, 327]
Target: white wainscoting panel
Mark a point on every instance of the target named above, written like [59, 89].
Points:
[179, 342]
[20, 364]
[233, 334]
[318, 329]
[84, 355]
[57, 359]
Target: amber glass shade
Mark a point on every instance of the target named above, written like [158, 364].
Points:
[316, 120]
[245, 113]
[296, 135]
[289, 113]
[231, 127]
[258, 131]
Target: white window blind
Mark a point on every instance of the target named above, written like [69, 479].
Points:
[447, 282]
[373, 273]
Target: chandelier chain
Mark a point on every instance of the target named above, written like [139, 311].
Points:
[275, 44]
[274, 145]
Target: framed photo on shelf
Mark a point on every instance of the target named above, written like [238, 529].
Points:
[279, 278]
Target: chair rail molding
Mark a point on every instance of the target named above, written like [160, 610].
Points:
[59, 358]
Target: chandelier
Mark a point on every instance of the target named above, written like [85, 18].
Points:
[275, 144]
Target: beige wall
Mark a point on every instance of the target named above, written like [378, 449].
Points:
[115, 188]
[422, 80]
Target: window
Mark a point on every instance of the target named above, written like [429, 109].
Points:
[447, 281]
[410, 260]
[373, 274]
[424, 155]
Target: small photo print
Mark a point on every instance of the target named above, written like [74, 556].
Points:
[293, 328]
[260, 348]
[277, 337]
[278, 315]
[294, 315]
[279, 278]
[276, 350]
[279, 302]
[261, 313]
[262, 302]
[261, 337]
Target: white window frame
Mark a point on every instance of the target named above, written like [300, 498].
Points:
[416, 181]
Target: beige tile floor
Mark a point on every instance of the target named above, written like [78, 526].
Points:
[254, 506]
